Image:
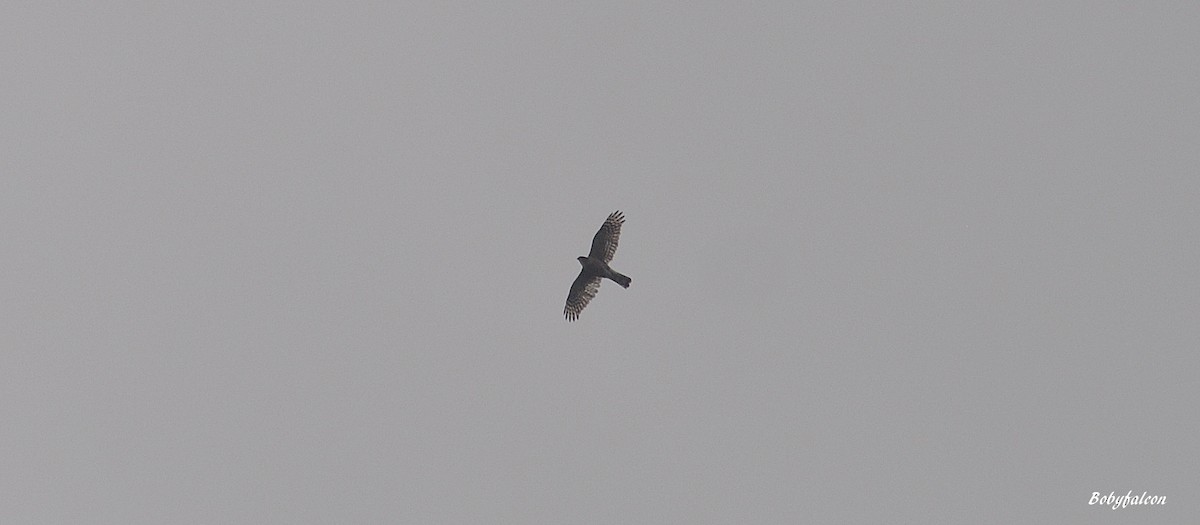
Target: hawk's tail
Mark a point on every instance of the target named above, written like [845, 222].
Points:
[621, 279]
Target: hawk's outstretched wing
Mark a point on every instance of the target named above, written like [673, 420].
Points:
[604, 244]
[582, 291]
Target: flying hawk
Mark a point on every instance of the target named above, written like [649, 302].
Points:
[595, 267]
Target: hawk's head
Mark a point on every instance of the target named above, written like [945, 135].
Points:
[581, 259]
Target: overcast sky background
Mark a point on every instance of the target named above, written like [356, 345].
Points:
[306, 263]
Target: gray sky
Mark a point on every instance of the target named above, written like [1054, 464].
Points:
[283, 263]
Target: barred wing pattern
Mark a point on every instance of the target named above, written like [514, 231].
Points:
[582, 291]
[604, 244]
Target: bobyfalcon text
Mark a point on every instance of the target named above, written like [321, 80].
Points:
[1120, 502]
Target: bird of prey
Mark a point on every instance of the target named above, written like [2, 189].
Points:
[595, 267]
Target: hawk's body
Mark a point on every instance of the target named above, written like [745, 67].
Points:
[595, 267]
